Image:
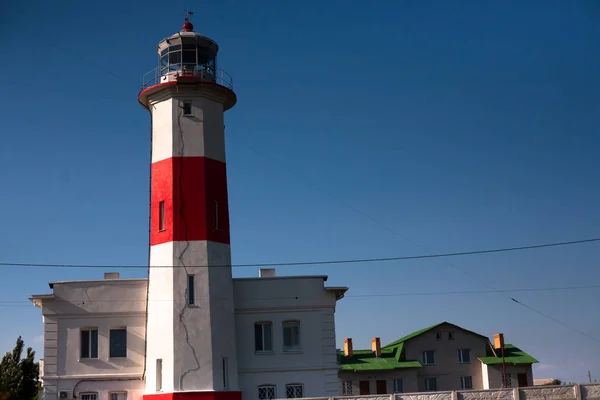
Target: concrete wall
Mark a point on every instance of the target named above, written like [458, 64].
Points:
[93, 304]
[409, 380]
[121, 303]
[202, 132]
[567, 392]
[277, 300]
[196, 339]
[494, 374]
[447, 370]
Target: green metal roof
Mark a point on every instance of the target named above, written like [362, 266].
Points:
[512, 355]
[365, 360]
[422, 331]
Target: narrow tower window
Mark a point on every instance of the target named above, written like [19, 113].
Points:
[158, 374]
[190, 291]
[187, 108]
[217, 215]
[225, 374]
[161, 216]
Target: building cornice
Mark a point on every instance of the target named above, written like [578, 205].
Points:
[263, 310]
[93, 377]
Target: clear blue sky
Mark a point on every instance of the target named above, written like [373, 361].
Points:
[459, 125]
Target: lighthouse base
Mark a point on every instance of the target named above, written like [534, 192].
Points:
[207, 395]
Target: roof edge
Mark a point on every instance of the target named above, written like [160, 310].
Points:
[425, 330]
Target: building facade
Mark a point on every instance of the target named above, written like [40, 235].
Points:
[95, 339]
[438, 358]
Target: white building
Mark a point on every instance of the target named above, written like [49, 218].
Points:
[190, 330]
[94, 339]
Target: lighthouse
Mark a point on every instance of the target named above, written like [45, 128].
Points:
[190, 334]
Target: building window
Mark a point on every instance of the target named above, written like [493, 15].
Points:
[381, 386]
[291, 336]
[88, 396]
[397, 386]
[438, 336]
[225, 374]
[158, 374]
[89, 343]
[466, 382]
[347, 388]
[217, 215]
[267, 392]
[263, 334]
[464, 356]
[161, 216]
[187, 108]
[118, 343]
[117, 396]
[450, 335]
[191, 295]
[430, 384]
[508, 380]
[429, 357]
[294, 391]
[364, 388]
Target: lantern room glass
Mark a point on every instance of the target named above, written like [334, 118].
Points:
[188, 58]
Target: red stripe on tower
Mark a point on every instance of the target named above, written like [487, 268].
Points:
[189, 200]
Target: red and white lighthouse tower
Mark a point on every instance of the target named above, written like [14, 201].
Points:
[191, 346]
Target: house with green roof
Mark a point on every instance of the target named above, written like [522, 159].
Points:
[441, 357]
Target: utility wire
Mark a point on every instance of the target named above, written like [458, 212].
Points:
[386, 227]
[318, 262]
[8, 303]
[368, 217]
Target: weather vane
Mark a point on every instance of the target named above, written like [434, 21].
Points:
[188, 14]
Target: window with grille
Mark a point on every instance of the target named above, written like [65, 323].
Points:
[347, 388]
[118, 396]
[118, 343]
[89, 343]
[430, 384]
[267, 392]
[88, 396]
[428, 357]
[397, 386]
[263, 337]
[291, 336]
[294, 391]
[508, 380]
[466, 382]
[464, 356]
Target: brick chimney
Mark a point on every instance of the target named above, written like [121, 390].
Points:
[498, 341]
[348, 347]
[376, 346]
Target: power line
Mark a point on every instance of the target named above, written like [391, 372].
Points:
[319, 262]
[386, 227]
[7, 303]
[370, 218]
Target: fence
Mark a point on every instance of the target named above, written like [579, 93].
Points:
[564, 392]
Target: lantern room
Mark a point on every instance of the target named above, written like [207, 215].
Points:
[188, 53]
[188, 58]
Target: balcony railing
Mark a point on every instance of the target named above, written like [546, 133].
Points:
[217, 76]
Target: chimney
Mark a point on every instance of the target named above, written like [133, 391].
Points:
[267, 273]
[111, 275]
[498, 341]
[348, 347]
[376, 346]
